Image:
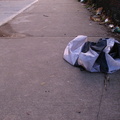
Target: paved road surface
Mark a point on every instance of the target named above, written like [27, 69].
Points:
[36, 83]
[10, 8]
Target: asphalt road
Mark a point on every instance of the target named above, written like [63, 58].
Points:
[36, 83]
[11, 8]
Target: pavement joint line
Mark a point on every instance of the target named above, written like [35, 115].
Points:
[17, 13]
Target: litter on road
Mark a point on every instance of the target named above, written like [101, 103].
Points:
[102, 56]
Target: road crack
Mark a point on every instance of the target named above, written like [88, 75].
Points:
[104, 87]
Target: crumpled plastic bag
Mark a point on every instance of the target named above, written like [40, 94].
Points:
[102, 56]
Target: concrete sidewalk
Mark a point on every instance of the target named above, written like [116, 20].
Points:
[36, 83]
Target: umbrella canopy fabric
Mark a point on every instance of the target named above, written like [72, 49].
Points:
[102, 56]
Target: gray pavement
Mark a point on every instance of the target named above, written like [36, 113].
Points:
[36, 83]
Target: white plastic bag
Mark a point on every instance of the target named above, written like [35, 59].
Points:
[73, 49]
[102, 56]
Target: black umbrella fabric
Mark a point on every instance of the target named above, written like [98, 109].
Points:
[102, 56]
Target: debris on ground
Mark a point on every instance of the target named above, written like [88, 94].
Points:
[102, 56]
[116, 30]
[111, 26]
[104, 12]
[7, 31]
[95, 18]
[99, 11]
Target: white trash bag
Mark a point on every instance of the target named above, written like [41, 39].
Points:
[102, 56]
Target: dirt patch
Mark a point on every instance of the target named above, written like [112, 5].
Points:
[7, 31]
